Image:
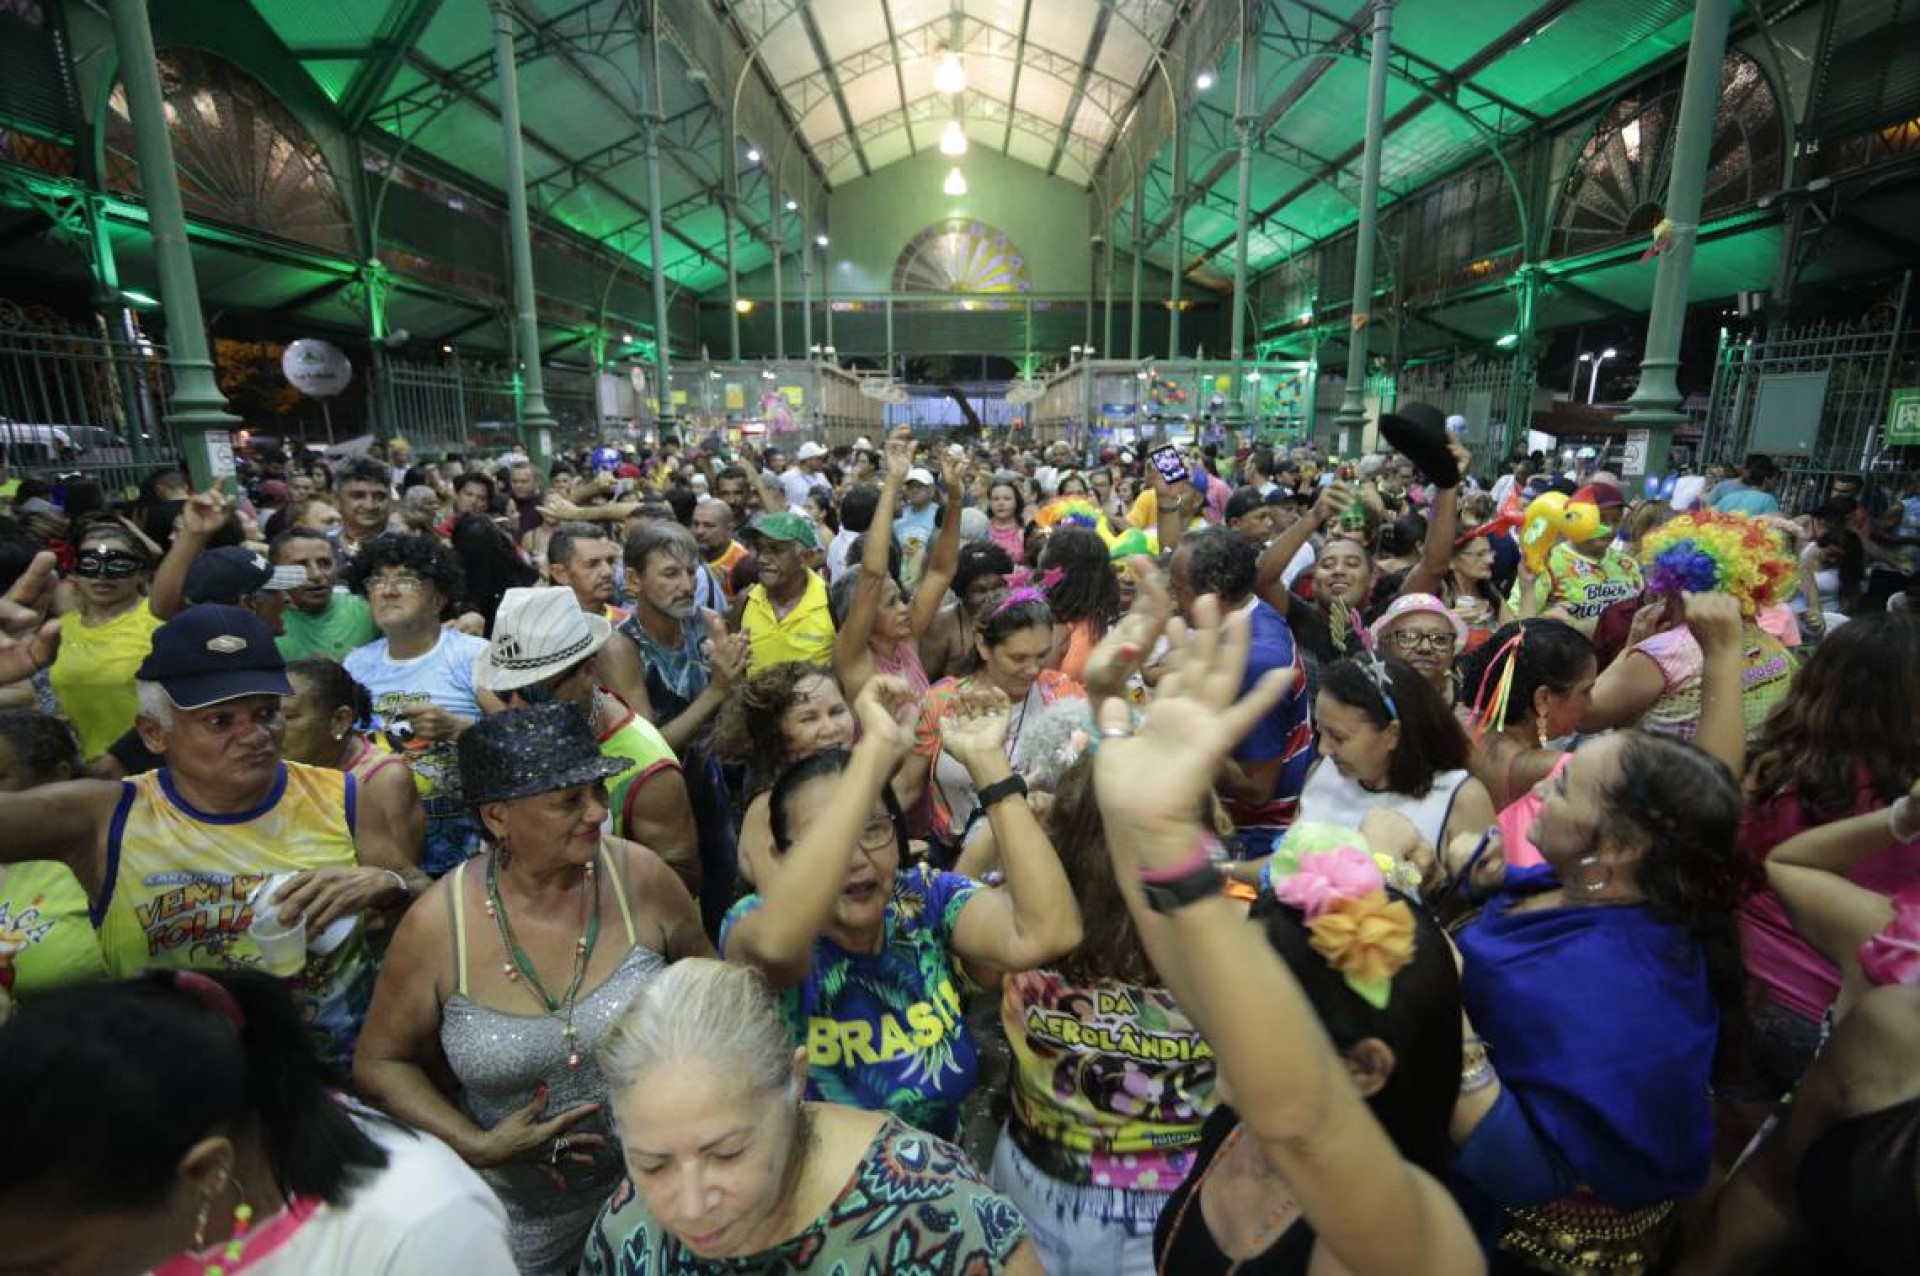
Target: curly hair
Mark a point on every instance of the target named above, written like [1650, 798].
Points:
[1685, 806]
[747, 730]
[1850, 717]
[1090, 590]
[1705, 552]
[981, 558]
[426, 556]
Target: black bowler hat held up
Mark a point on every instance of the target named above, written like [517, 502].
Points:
[1418, 431]
[524, 752]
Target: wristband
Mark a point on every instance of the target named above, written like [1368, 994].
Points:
[1206, 851]
[406, 892]
[1000, 790]
[1899, 817]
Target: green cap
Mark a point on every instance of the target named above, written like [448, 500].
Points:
[784, 526]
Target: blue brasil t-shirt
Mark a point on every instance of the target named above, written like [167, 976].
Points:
[887, 1030]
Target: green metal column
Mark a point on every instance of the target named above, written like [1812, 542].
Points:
[1657, 400]
[536, 422]
[1245, 120]
[197, 408]
[1133, 304]
[1353, 407]
[1179, 240]
[806, 286]
[1106, 285]
[729, 210]
[776, 237]
[651, 115]
[1526, 354]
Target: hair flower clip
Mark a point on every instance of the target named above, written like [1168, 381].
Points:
[1893, 955]
[1369, 940]
[1343, 873]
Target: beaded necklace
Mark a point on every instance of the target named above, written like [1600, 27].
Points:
[522, 965]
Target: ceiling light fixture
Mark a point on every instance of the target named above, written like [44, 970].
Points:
[1203, 81]
[742, 305]
[953, 139]
[821, 239]
[956, 183]
[950, 77]
[793, 206]
[753, 155]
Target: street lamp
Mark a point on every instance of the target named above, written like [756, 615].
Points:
[1573, 391]
[1593, 386]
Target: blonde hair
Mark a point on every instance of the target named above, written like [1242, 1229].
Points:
[703, 1011]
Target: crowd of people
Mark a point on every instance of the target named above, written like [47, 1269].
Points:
[940, 857]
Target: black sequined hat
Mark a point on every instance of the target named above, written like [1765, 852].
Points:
[523, 752]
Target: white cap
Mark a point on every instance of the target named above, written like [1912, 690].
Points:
[810, 450]
[537, 633]
[919, 474]
[864, 442]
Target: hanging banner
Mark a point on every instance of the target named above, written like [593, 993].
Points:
[736, 397]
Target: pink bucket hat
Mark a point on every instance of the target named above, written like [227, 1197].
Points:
[1406, 605]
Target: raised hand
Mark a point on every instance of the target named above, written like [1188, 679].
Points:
[203, 514]
[886, 708]
[899, 457]
[1128, 644]
[28, 640]
[973, 731]
[726, 652]
[1151, 782]
[1713, 620]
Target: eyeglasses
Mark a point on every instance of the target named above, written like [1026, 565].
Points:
[1414, 640]
[107, 564]
[877, 833]
[403, 583]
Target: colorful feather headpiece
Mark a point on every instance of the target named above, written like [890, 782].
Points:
[1074, 511]
[1708, 552]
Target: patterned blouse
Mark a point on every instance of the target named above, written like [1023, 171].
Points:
[915, 1206]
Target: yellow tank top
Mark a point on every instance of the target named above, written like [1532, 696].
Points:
[43, 919]
[179, 880]
[93, 675]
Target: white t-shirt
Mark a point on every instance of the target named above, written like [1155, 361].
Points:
[837, 553]
[797, 484]
[426, 1212]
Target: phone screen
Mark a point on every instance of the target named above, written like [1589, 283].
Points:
[1166, 459]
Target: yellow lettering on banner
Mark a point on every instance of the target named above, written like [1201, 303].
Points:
[1115, 1003]
[823, 1043]
[926, 1024]
[856, 1040]
[893, 1041]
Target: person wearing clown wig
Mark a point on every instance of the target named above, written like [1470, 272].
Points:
[1657, 683]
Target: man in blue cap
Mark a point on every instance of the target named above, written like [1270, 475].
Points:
[173, 861]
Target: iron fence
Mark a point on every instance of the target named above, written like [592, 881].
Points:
[1814, 398]
[78, 399]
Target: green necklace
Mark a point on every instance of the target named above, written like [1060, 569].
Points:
[522, 965]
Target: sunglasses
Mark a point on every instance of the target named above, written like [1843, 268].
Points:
[108, 564]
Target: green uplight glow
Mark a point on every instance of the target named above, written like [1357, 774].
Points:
[134, 297]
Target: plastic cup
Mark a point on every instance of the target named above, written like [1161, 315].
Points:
[282, 945]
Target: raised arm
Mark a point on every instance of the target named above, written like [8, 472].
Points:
[204, 514]
[944, 558]
[1808, 871]
[1374, 1211]
[1268, 580]
[773, 497]
[778, 937]
[1436, 551]
[851, 663]
[1714, 621]
[1035, 919]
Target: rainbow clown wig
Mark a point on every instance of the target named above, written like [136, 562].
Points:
[1707, 552]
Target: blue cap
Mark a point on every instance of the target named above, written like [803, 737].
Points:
[210, 653]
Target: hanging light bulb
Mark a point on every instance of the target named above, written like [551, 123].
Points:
[953, 139]
[950, 77]
[956, 183]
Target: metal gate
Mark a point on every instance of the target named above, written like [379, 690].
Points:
[80, 399]
[1483, 390]
[454, 406]
[1811, 396]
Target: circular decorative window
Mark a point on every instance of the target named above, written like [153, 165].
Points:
[961, 255]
